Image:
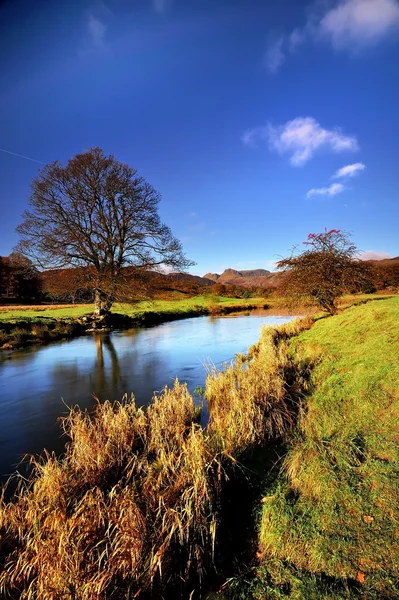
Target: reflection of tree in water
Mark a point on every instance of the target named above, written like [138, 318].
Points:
[114, 369]
[104, 342]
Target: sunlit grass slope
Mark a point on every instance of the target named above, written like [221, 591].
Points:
[330, 525]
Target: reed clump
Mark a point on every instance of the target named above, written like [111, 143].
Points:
[258, 397]
[133, 506]
[130, 506]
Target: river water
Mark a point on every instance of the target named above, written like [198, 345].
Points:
[38, 384]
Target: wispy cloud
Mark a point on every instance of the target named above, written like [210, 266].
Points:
[96, 39]
[296, 38]
[300, 138]
[274, 55]
[252, 137]
[198, 226]
[351, 25]
[271, 264]
[96, 30]
[332, 190]
[372, 255]
[349, 170]
[161, 6]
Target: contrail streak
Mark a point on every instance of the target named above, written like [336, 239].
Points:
[22, 156]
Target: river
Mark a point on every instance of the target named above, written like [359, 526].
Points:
[38, 384]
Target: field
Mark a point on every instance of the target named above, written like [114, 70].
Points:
[65, 311]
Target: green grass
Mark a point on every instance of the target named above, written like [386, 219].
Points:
[133, 310]
[331, 518]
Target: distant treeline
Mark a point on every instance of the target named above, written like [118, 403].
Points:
[20, 281]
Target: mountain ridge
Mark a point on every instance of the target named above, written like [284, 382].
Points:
[246, 277]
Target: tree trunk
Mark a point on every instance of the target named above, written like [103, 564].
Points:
[107, 303]
[102, 302]
[98, 302]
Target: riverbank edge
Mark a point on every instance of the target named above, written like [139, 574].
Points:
[22, 333]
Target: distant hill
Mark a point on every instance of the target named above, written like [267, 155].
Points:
[189, 277]
[246, 278]
[386, 261]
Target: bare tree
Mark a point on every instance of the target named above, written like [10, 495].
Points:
[327, 269]
[97, 213]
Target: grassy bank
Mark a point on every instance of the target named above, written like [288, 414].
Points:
[21, 326]
[328, 527]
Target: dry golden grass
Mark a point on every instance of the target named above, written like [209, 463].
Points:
[254, 399]
[133, 505]
[130, 505]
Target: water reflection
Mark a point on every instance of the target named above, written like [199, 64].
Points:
[37, 385]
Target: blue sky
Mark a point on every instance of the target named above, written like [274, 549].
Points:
[257, 121]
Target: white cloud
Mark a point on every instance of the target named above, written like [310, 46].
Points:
[355, 24]
[332, 190]
[274, 56]
[301, 138]
[96, 29]
[349, 170]
[351, 25]
[371, 255]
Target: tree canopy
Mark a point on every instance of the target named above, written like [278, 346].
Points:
[96, 212]
[325, 270]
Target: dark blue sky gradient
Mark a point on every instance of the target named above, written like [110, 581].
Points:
[172, 92]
